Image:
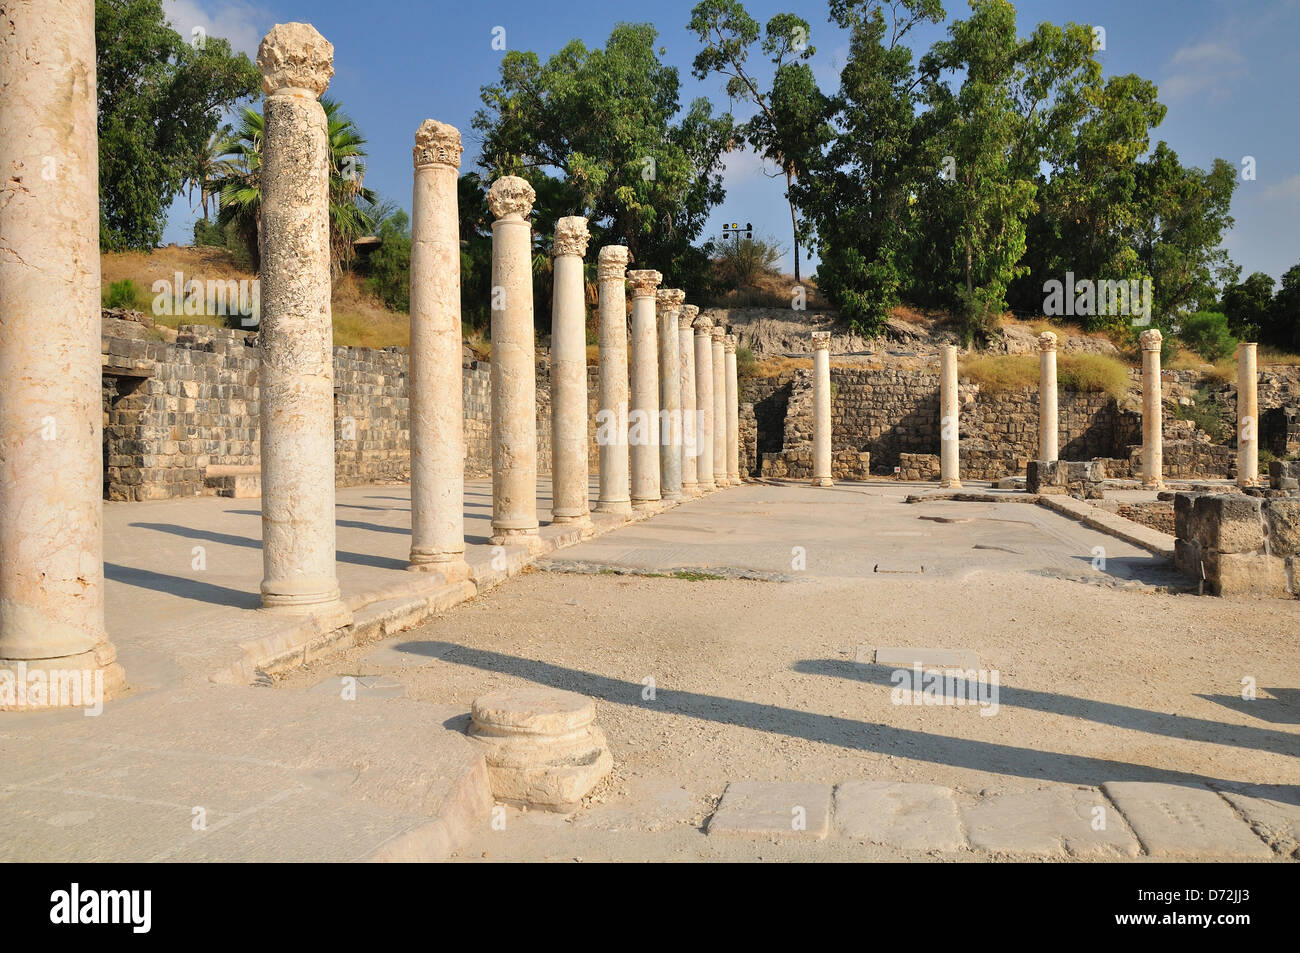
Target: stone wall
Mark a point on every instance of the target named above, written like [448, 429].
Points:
[1240, 545]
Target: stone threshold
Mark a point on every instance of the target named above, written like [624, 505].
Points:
[286, 642]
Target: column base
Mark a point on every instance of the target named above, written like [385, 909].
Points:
[73, 681]
[734, 480]
[690, 491]
[950, 484]
[618, 507]
[648, 507]
[514, 537]
[452, 567]
[823, 481]
[720, 482]
[707, 487]
[568, 517]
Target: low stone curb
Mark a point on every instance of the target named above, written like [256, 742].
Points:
[1161, 544]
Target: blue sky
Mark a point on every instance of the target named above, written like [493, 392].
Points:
[1228, 72]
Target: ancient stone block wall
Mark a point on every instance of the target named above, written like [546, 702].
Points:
[1240, 545]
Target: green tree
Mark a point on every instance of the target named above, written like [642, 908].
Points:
[160, 101]
[390, 264]
[607, 126]
[789, 122]
[1283, 328]
[1247, 306]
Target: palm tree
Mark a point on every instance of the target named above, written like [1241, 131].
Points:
[352, 206]
[211, 165]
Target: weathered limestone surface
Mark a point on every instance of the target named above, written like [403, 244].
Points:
[542, 746]
[1152, 434]
[437, 433]
[733, 409]
[514, 382]
[1048, 822]
[611, 415]
[569, 374]
[51, 570]
[690, 418]
[949, 425]
[1047, 412]
[903, 815]
[1178, 820]
[297, 372]
[1247, 415]
[1242, 546]
[670, 302]
[643, 418]
[719, 368]
[773, 809]
[704, 401]
[821, 341]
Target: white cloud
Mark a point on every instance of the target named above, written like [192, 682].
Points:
[1288, 188]
[243, 24]
[1198, 68]
[1205, 54]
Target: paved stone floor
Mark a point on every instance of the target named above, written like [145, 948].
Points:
[731, 646]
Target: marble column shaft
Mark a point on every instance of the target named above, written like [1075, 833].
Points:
[670, 302]
[949, 423]
[569, 373]
[1152, 412]
[51, 403]
[821, 341]
[719, 407]
[297, 371]
[514, 370]
[704, 402]
[435, 379]
[643, 418]
[611, 414]
[690, 419]
[733, 410]
[1047, 406]
[1247, 415]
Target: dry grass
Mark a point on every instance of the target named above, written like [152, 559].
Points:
[775, 366]
[1271, 355]
[1090, 373]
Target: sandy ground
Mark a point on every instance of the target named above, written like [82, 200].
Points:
[758, 680]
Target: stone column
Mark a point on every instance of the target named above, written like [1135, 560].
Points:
[821, 476]
[611, 415]
[1247, 415]
[51, 410]
[297, 373]
[1152, 413]
[949, 468]
[670, 301]
[569, 374]
[719, 407]
[1047, 412]
[704, 402]
[643, 418]
[436, 403]
[514, 368]
[690, 420]
[733, 409]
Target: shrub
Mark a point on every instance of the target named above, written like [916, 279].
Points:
[1206, 333]
[207, 232]
[390, 264]
[743, 261]
[123, 294]
[746, 364]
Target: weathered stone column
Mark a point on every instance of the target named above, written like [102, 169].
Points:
[569, 374]
[949, 467]
[643, 418]
[297, 373]
[733, 409]
[1247, 415]
[690, 425]
[704, 402]
[51, 411]
[436, 404]
[821, 476]
[514, 370]
[670, 301]
[1152, 411]
[611, 415]
[719, 407]
[1047, 412]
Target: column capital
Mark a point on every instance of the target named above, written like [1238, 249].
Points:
[611, 262]
[571, 237]
[718, 332]
[643, 282]
[729, 344]
[670, 299]
[686, 317]
[295, 56]
[511, 198]
[702, 324]
[437, 143]
[1047, 341]
[1151, 339]
[821, 340]
[1246, 347]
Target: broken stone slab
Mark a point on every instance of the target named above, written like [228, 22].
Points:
[1049, 822]
[1175, 820]
[542, 746]
[773, 809]
[909, 657]
[1284, 474]
[899, 814]
[1277, 822]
